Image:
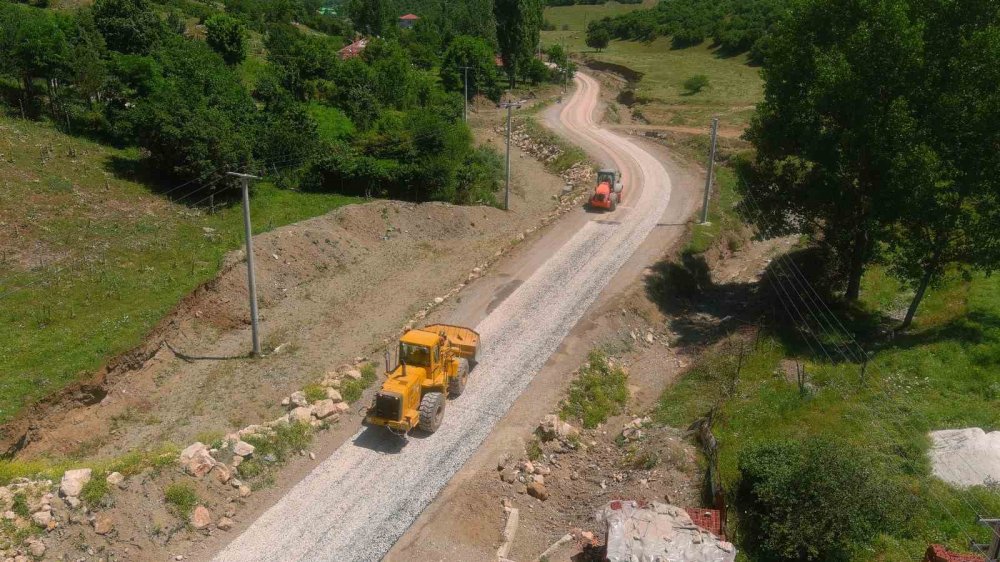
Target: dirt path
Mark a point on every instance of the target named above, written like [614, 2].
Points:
[357, 502]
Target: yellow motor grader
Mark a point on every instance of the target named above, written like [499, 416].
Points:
[433, 364]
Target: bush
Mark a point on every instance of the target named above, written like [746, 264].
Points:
[696, 83]
[94, 490]
[353, 389]
[181, 497]
[597, 394]
[813, 500]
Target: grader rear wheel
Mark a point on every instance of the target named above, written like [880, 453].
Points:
[431, 412]
[456, 386]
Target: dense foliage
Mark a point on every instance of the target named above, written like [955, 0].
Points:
[873, 136]
[735, 25]
[382, 124]
[813, 500]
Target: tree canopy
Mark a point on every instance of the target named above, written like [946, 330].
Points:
[519, 23]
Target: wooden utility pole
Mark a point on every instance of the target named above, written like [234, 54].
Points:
[251, 277]
[711, 170]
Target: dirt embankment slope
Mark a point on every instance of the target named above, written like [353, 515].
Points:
[330, 289]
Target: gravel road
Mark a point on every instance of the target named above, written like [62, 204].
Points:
[361, 499]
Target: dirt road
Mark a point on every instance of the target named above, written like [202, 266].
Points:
[362, 498]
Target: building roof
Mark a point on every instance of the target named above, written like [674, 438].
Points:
[409, 17]
[354, 49]
[938, 553]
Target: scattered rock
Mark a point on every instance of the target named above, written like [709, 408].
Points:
[286, 401]
[649, 337]
[201, 517]
[73, 501]
[537, 490]
[42, 518]
[222, 473]
[302, 414]
[543, 470]
[342, 407]
[552, 427]
[520, 488]
[526, 467]
[243, 449]
[103, 524]
[196, 460]
[73, 481]
[244, 491]
[225, 524]
[324, 408]
[35, 547]
[508, 476]
[353, 374]
[116, 478]
[334, 394]
[538, 478]
[298, 398]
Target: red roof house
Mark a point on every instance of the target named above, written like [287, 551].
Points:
[938, 553]
[354, 49]
[408, 21]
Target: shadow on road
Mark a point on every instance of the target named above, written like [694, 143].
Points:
[380, 440]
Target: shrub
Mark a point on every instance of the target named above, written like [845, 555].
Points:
[314, 392]
[353, 389]
[696, 83]
[95, 489]
[181, 497]
[812, 500]
[598, 393]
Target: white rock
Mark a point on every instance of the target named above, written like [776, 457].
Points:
[42, 518]
[244, 491]
[73, 481]
[334, 394]
[438, 300]
[35, 547]
[353, 374]
[115, 478]
[225, 524]
[342, 407]
[243, 449]
[298, 398]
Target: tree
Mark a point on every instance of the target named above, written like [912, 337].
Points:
[813, 500]
[128, 26]
[228, 37]
[833, 124]
[948, 182]
[598, 37]
[476, 54]
[371, 17]
[39, 50]
[519, 24]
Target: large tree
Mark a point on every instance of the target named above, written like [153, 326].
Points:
[949, 182]
[227, 36]
[371, 17]
[835, 120]
[518, 25]
[477, 55]
[128, 26]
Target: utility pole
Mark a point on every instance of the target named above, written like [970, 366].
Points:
[711, 170]
[465, 112]
[506, 194]
[251, 278]
[990, 551]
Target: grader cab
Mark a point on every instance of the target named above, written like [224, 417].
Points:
[433, 364]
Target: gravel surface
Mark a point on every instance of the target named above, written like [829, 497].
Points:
[966, 457]
[360, 500]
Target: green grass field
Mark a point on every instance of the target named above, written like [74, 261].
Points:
[941, 375]
[90, 262]
[734, 86]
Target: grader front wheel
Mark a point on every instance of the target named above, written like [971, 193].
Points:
[431, 411]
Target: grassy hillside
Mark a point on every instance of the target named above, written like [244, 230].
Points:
[90, 260]
[734, 86]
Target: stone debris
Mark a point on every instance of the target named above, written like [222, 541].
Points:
[324, 409]
[243, 449]
[103, 524]
[196, 460]
[551, 427]
[298, 399]
[537, 490]
[115, 479]
[225, 524]
[302, 414]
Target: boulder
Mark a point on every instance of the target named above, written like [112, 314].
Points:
[243, 449]
[334, 395]
[508, 476]
[537, 490]
[222, 473]
[324, 409]
[526, 467]
[73, 481]
[353, 374]
[197, 461]
[42, 518]
[225, 524]
[115, 478]
[35, 546]
[244, 491]
[342, 407]
[302, 414]
[298, 398]
[552, 427]
[201, 517]
[103, 524]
